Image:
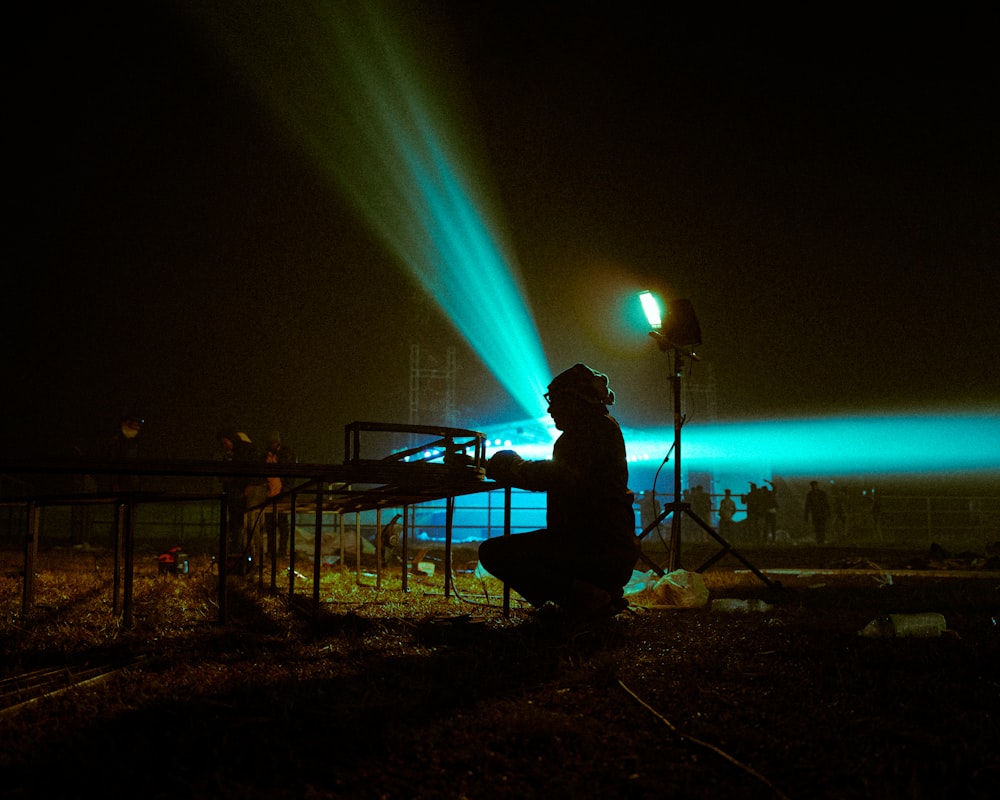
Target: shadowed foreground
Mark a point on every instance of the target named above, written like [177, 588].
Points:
[387, 696]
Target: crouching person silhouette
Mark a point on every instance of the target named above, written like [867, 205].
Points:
[585, 556]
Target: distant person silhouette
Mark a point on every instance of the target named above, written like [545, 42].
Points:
[124, 446]
[277, 521]
[755, 514]
[769, 512]
[817, 509]
[727, 510]
[242, 491]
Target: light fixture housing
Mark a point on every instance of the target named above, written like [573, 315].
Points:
[678, 326]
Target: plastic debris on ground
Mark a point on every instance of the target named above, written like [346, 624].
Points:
[905, 626]
[735, 605]
[681, 588]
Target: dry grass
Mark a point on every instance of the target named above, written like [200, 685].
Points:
[387, 695]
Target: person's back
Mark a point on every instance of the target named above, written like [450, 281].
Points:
[278, 522]
[242, 491]
[592, 499]
[277, 453]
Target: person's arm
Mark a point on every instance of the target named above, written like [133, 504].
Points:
[509, 468]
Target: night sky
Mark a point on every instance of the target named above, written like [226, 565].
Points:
[827, 198]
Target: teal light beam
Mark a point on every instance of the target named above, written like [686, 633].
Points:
[891, 444]
[349, 83]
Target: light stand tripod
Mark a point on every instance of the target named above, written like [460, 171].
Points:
[677, 508]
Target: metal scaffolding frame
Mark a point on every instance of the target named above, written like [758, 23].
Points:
[419, 373]
[447, 463]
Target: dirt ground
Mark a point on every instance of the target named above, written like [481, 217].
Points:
[385, 695]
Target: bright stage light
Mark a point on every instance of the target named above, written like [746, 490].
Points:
[651, 308]
[676, 327]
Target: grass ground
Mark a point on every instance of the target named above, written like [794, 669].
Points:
[388, 695]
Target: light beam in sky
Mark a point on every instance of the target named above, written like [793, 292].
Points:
[840, 445]
[353, 90]
[348, 83]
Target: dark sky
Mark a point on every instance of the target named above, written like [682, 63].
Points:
[827, 199]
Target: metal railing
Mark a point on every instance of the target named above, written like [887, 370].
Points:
[905, 520]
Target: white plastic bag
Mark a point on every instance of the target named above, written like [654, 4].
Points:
[682, 589]
[640, 582]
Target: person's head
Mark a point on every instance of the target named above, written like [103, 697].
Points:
[227, 439]
[578, 393]
[274, 441]
[131, 425]
[814, 484]
[728, 492]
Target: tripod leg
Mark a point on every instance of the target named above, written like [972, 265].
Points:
[674, 554]
[650, 563]
[674, 549]
[726, 548]
[656, 522]
[669, 508]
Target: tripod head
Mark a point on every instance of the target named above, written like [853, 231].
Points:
[666, 345]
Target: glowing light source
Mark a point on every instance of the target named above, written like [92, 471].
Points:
[651, 308]
[678, 327]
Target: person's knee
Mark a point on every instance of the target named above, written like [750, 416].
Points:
[489, 552]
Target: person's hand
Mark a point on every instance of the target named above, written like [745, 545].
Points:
[459, 460]
[502, 466]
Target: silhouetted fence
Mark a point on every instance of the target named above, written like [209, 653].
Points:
[900, 520]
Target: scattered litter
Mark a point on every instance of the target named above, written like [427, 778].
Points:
[173, 562]
[855, 563]
[738, 606]
[681, 588]
[939, 558]
[450, 628]
[899, 626]
[640, 582]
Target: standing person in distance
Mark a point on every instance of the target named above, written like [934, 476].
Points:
[124, 446]
[769, 509]
[727, 510]
[817, 509]
[277, 453]
[755, 514]
[242, 491]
